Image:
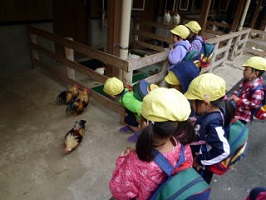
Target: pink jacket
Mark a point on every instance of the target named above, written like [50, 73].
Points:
[133, 178]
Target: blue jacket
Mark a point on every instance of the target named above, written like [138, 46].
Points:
[216, 147]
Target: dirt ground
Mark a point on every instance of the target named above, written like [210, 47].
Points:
[33, 166]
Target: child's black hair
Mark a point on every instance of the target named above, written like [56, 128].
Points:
[225, 106]
[182, 131]
[259, 71]
[228, 110]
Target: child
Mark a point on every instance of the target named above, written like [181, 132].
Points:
[246, 100]
[206, 93]
[164, 115]
[181, 74]
[115, 87]
[257, 193]
[195, 35]
[180, 45]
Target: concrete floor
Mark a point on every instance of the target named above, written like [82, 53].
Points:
[32, 128]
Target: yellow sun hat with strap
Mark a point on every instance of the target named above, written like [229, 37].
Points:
[181, 31]
[256, 62]
[193, 26]
[206, 87]
[113, 86]
[164, 104]
[171, 78]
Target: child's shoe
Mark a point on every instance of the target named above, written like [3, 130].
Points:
[125, 129]
[134, 138]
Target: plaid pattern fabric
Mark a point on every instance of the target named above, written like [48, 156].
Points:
[246, 102]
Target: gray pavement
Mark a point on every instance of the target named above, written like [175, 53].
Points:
[32, 128]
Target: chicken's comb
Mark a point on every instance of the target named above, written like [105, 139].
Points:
[76, 86]
[86, 90]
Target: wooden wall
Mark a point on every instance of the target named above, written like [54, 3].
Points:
[25, 10]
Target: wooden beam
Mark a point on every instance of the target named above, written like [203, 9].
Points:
[255, 15]
[239, 10]
[263, 22]
[81, 48]
[113, 31]
[204, 15]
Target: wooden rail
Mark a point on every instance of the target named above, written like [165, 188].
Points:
[59, 70]
[256, 43]
[227, 47]
[38, 51]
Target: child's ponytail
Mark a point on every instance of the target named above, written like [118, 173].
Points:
[228, 110]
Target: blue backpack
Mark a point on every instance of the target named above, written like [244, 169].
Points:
[260, 112]
[186, 184]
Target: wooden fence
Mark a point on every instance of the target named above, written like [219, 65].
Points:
[227, 47]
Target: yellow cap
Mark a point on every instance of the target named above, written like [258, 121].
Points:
[113, 86]
[256, 62]
[165, 104]
[181, 31]
[193, 26]
[206, 87]
[171, 78]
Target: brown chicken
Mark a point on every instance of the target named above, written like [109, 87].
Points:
[77, 106]
[74, 136]
[66, 97]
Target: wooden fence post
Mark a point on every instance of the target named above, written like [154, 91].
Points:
[70, 56]
[35, 53]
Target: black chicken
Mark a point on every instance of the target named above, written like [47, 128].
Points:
[74, 137]
[68, 96]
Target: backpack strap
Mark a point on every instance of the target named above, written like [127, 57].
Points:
[208, 119]
[204, 124]
[164, 164]
[183, 46]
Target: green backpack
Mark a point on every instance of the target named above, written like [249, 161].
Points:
[186, 184]
[202, 59]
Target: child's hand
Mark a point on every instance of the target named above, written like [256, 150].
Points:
[127, 151]
[170, 46]
[234, 98]
[195, 164]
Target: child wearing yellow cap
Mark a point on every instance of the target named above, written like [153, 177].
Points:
[131, 100]
[247, 97]
[206, 93]
[180, 45]
[165, 115]
[194, 37]
[181, 74]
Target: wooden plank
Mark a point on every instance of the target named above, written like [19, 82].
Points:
[254, 52]
[147, 60]
[149, 46]
[260, 32]
[81, 48]
[71, 64]
[57, 76]
[255, 15]
[238, 14]
[157, 25]
[152, 35]
[228, 36]
[206, 4]
[257, 42]
[219, 24]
